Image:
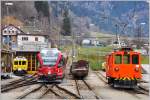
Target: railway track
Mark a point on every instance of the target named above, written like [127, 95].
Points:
[101, 77]
[89, 88]
[14, 82]
[29, 92]
[138, 90]
[47, 90]
[68, 94]
[19, 83]
[59, 92]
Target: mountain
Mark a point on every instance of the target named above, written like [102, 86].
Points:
[123, 17]
[128, 15]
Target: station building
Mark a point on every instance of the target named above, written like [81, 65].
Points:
[25, 44]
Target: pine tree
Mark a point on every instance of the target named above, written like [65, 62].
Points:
[43, 7]
[66, 27]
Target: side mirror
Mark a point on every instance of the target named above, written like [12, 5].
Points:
[60, 65]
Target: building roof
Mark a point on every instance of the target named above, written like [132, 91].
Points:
[35, 34]
[23, 33]
[14, 27]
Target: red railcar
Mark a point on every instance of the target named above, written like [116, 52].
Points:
[52, 65]
[123, 68]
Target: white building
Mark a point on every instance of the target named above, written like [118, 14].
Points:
[32, 41]
[18, 40]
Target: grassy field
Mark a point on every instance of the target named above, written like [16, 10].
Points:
[145, 60]
[95, 55]
[65, 48]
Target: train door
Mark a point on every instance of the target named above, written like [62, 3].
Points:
[32, 63]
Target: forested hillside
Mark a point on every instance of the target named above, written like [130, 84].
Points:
[80, 17]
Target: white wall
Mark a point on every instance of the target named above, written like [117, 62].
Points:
[41, 39]
[10, 30]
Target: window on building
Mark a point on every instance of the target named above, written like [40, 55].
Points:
[12, 31]
[9, 31]
[5, 31]
[24, 38]
[36, 38]
[118, 59]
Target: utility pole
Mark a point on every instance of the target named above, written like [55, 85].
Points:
[72, 33]
[7, 5]
[58, 30]
[116, 32]
[139, 31]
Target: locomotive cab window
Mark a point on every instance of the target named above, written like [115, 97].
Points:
[16, 63]
[135, 59]
[126, 59]
[23, 62]
[118, 59]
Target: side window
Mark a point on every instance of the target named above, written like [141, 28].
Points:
[126, 59]
[23, 62]
[135, 59]
[16, 63]
[61, 63]
[118, 59]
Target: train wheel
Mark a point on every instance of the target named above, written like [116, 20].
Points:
[110, 80]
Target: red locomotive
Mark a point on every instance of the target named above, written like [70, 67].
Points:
[123, 68]
[52, 65]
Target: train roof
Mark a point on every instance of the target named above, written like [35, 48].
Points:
[124, 49]
[55, 50]
[20, 58]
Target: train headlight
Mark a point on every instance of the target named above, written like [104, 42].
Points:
[58, 70]
[116, 69]
[136, 69]
[49, 72]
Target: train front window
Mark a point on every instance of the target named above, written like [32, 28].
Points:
[49, 54]
[23, 62]
[16, 63]
[126, 59]
[19, 62]
[49, 61]
[49, 57]
[135, 59]
[118, 59]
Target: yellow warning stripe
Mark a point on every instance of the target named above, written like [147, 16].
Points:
[126, 78]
